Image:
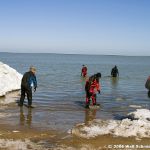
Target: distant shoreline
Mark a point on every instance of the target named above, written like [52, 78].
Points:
[72, 54]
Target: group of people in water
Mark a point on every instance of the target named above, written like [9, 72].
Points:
[92, 85]
[114, 71]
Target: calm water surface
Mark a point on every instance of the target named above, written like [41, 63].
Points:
[60, 95]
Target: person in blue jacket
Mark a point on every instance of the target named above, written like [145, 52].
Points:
[27, 83]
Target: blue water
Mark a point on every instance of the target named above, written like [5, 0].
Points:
[60, 95]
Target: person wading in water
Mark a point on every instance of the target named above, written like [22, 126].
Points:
[27, 83]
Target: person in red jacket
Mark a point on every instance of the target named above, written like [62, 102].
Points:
[84, 71]
[92, 86]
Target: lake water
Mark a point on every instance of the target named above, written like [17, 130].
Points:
[60, 95]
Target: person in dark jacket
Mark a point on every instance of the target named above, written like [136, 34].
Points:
[114, 72]
[28, 82]
[147, 86]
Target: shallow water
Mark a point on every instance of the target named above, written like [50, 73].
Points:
[60, 95]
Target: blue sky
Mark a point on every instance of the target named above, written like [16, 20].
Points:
[111, 27]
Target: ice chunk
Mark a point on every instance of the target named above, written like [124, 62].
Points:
[10, 79]
[138, 126]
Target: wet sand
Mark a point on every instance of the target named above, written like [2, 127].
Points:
[57, 139]
[105, 142]
[48, 139]
[43, 138]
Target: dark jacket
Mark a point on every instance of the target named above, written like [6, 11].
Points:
[114, 72]
[28, 79]
[147, 84]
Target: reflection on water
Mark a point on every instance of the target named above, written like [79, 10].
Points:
[114, 87]
[148, 94]
[114, 82]
[22, 117]
[90, 114]
[25, 119]
[83, 81]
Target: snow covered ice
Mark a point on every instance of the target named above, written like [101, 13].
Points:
[136, 124]
[10, 79]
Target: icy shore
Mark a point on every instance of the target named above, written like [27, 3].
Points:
[136, 124]
[11, 144]
[10, 79]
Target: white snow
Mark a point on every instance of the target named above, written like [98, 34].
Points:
[137, 126]
[140, 114]
[10, 79]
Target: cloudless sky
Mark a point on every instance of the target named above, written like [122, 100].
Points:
[111, 27]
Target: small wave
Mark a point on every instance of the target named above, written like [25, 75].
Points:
[120, 99]
[137, 126]
[135, 106]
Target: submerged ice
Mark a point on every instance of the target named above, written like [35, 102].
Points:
[10, 79]
[136, 124]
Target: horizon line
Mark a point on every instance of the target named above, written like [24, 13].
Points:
[76, 54]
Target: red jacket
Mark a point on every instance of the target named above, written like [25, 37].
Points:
[84, 69]
[94, 87]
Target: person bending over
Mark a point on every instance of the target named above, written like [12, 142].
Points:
[92, 86]
[27, 83]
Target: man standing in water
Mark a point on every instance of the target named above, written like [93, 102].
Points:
[84, 71]
[147, 86]
[28, 82]
[115, 72]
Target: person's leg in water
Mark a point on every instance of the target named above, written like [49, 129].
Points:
[93, 99]
[87, 99]
[29, 97]
[23, 91]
